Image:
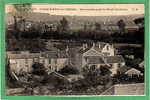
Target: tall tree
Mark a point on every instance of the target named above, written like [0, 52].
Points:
[20, 13]
[140, 33]
[64, 25]
[121, 24]
[139, 22]
[95, 75]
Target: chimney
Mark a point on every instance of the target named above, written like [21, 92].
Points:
[86, 46]
[99, 45]
[93, 45]
[67, 49]
[83, 46]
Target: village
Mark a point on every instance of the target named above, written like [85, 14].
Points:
[63, 55]
[73, 68]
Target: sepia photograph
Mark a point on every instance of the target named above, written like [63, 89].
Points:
[74, 50]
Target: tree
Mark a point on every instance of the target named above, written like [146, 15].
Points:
[64, 25]
[139, 22]
[69, 70]
[121, 24]
[20, 13]
[97, 26]
[96, 76]
[140, 33]
[38, 69]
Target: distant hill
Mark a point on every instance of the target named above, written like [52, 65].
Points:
[44, 17]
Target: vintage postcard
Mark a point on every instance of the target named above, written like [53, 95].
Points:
[74, 49]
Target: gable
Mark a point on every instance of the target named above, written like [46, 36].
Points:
[92, 52]
[105, 47]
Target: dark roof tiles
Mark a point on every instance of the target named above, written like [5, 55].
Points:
[114, 59]
[104, 60]
[95, 60]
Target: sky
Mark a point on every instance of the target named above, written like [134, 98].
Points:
[86, 9]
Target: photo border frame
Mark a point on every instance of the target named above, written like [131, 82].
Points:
[146, 49]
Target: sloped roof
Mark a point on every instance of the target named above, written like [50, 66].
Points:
[133, 71]
[95, 60]
[81, 50]
[96, 47]
[106, 60]
[114, 59]
[54, 54]
[92, 52]
[23, 56]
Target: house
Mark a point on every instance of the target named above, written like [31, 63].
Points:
[99, 54]
[22, 61]
[54, 60]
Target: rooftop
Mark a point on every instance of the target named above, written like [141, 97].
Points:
[97, 46]
[133, 71]
[95, 60]
[114, 59]
[23, 56]
[103, 60]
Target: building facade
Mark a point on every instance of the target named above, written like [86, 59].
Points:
[22, 61]
[101, 54]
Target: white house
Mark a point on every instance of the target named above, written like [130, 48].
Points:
[99, 55]
[22, 61]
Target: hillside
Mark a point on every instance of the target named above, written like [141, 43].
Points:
[78, 19]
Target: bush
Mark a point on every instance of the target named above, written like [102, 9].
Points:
[69, 70]
[97, 76]
[38, 69]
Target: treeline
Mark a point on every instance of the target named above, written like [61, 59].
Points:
[62, 31]
[33, 45]
[134, 37]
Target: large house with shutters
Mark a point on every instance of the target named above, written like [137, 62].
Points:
[22, 61]
[100, 54]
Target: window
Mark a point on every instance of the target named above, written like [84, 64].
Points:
[107, 47]
[93, 67]
[119, 65]
[26, 62]
[49, 61]
[86, 59]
